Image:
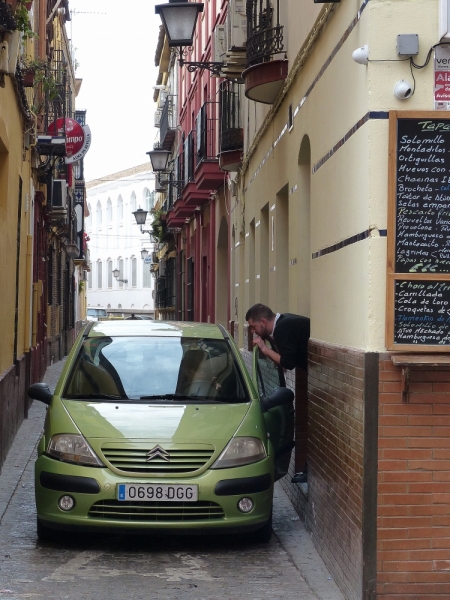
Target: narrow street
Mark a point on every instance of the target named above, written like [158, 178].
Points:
[143, 567]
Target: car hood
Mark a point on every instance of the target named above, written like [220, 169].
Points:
[174, 423]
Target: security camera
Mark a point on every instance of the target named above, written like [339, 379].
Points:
[361, 55]
[403, 90]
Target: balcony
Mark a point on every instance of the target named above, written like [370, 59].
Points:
[264, 76]
[231, 132]
[167, 127]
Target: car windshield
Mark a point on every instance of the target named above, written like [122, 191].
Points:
[156, 369]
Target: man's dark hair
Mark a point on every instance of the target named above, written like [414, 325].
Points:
[258, 312]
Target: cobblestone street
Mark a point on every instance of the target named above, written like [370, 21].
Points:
[144, 567]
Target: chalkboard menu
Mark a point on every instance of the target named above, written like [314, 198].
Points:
[423, 196]
[419, 231]
[422, 312]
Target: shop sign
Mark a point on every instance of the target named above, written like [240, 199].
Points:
[78, 137]
[442, 78]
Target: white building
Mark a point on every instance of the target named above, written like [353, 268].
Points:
[116, 241]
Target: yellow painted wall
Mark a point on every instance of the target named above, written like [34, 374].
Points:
[14, 163]
[344, 291]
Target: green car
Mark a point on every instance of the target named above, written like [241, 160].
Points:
[157, 427]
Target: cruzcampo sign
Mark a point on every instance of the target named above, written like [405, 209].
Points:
[78, 137]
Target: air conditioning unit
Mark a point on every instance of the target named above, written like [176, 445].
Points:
[236, 24]
[59, 194]
[219, 43]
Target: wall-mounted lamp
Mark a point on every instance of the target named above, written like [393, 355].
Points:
[116, 274]
[141, 215]
[72, 250]
[159, 159]
[179, 18]
[144, 253]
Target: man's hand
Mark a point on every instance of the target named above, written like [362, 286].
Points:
[274, 356]
[257, 341]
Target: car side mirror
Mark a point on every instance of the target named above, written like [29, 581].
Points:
[279, 397]
[41, 392]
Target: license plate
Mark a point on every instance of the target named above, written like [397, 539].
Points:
[138, 492]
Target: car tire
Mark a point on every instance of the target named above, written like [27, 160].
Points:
[264, 534]
[45, 534]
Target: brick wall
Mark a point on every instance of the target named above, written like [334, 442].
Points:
[414, 485]
[334, 512]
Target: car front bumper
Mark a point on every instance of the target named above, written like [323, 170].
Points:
[97, 508]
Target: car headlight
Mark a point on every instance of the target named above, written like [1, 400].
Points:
[241, 451]
[73, 448]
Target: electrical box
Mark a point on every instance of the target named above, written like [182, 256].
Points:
[408, 44]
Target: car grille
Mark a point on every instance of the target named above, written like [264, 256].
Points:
[156, 511]
[134, 460]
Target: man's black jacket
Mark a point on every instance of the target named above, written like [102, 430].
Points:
[291, 335]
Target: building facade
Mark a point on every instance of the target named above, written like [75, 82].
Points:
[116, 241]
[38, 216]
[322, 209]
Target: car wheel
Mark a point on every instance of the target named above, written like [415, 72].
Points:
[263, 535]
[45, 534]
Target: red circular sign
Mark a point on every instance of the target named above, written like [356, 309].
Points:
[73, 132]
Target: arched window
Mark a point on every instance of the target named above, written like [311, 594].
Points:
[147, 199]
[88, 219]
[109, 211]
[119, 208]
[110, 277]
[121, 273]
[133, 272]
[99, 214]
[133, 203]
[146, 276]
[99, 274]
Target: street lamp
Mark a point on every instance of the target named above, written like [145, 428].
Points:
[159, 159]
[116, 274]
[179, 18]
[72, 250]
[141, 215]
[144, 253]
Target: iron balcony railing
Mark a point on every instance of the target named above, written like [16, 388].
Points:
[264, 38]
[231, 132]
[206, 132]
[167, 126]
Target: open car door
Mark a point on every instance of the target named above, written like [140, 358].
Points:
[278, 408]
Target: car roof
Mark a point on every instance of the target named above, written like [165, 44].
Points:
[154, 328]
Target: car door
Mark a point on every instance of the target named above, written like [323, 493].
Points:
[267, 376]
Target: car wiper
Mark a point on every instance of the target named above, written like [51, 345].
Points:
[168, 397]
[95, 397]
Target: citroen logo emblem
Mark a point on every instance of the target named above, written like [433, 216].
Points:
[157, 452]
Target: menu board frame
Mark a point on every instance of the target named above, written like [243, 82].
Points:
[392, 275]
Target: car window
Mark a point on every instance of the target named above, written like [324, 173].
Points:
[139, 368]
[96, 312]
[270, 376]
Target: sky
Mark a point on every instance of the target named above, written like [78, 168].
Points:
[115, 44]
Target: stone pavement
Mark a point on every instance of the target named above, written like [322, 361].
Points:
[291, 558]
